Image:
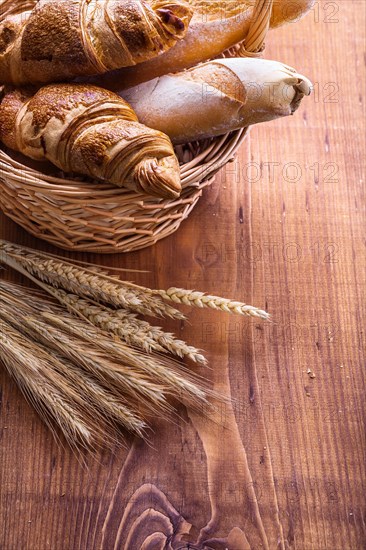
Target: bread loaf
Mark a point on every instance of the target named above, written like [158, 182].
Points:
[90, 131]
[216, 25]
[62, 39]
[218, 97]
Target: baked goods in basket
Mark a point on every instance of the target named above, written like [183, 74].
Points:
[75, 214]
[91, 131]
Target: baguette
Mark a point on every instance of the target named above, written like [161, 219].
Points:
[90, 131]
[62, 39]
[216, 26]
[218, 97]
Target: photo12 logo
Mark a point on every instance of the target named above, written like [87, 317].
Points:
[272, 171]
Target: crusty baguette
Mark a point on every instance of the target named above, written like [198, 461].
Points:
[91, 131]
[216, 25]
[62, 39]
[218, 97]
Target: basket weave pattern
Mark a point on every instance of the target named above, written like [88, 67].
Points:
[81, 215]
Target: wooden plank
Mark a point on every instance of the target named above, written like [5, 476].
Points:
[283, 228]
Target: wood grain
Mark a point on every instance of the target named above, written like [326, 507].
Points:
[282, 228]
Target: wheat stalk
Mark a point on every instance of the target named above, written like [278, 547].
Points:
[200, 299]
[188, 388]
[87, 282]
[19, 356]
[131, 383]
[88, 362]
[61, 365]
[65, 357]
[142, 376]
[71, 345]
[160, 367]
[97, 284]
[130, 328]
[109, 406]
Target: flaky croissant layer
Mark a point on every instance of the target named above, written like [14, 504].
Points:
[62, 39]
[88, 130]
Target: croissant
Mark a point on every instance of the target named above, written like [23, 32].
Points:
[91, 131]
[218, 97]
[216, 25]
[62, 39]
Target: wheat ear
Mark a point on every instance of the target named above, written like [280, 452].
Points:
[200, 299]
[59, 363]
[172, 377]
[133, 388]
[66, 355]
[177, 381]
[130, 328]
[87, 282]
[132, 382]
[96, 284]
[127, 326]
[19, 356]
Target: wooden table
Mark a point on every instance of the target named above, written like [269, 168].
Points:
[281, 228]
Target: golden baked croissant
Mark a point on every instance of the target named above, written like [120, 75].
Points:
[216, 25]
[62, 39]
[85, 129]
[217, 97]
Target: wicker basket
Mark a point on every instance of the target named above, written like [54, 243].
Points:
[76, 214]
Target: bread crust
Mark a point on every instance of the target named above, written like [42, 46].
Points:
[63, 39]
[218, 97]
